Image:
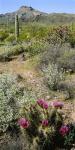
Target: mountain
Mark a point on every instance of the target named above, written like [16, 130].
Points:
[25, 14]
[29, 14]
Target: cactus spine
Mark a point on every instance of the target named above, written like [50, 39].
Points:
[16, 27]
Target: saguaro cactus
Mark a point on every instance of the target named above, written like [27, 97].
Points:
[7, 23]
[72, 26]
[16, 26]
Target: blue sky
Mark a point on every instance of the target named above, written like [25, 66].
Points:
[42, 5]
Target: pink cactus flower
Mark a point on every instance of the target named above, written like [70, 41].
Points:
[64, 130]
[24, 123]
[57, 104]
[45, 105]
[45, 123]
[42, 103]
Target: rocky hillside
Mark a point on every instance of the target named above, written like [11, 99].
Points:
[25, 14]
[30, 14]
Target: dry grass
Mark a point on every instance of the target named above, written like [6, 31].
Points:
[20, 67]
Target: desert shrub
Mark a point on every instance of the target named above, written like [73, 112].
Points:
[16, 50]
[68, 88]
[9, 51]
[71, 38]
[33, 48]
[63, 56]
[58, 35]
[66, 60]
[37, 47]
[10, 95]
[25, 36]
[6, 113]
[10, 38]
[3, 35]
[51, 54]
[42, 32]
[54, 53]
[53, 76]
[62, 32]
[15, 142]
[33, 30]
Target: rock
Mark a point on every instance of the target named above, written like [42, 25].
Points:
[22, 57]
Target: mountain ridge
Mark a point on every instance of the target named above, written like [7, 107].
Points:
[29, 14]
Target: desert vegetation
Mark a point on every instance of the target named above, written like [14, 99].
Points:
[37, 85]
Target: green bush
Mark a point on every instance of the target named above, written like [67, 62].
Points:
[10, 38]
[3, 35]
[32, 49]
[58, 34]
[67, 60]
[37, 47]
[24, 36]
[10, 100]
[33, 30]
[68, 88]
[71, 39]
[63, 56]
[51, 54]
[9, 51]
[53, 76]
